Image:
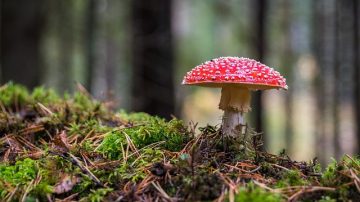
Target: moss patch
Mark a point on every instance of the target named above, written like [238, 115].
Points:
[72, 147]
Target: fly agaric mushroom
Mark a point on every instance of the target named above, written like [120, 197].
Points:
[236, 77]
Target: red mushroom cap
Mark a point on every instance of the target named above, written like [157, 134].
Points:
[242, 72]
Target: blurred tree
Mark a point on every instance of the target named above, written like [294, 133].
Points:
[65, 25]
[22, 23]
[259, 43]
[337, 88]
[323, 45]
[90, 42]
[344, 70]
[152, 58]
[356, 45]
[335, 46]
[287, 62]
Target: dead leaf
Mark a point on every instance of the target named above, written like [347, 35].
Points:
[61, 143]
[66, 184]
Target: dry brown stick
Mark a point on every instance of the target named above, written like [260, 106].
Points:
[45, 109]
[27, 143]
[132, 145]
[149, 179]
[309, 189]
[278, 166]
[356, 180]
[357, 165]
[262, 185]
[87, 135]
[12, 194]
[86, 170]
[161, 191]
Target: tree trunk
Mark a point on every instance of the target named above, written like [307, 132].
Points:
[324, 37]
[90, 43]
[153, 90]
[65, 25]
[259, 41]
[336, 79]
[345, 68]
[356, 67]
[319, 81]
[287, 62]
[22, 22]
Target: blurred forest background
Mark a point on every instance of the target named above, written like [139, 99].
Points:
[136, 52]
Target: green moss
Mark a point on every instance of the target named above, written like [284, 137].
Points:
[128, 151]
[45, 96]
[84, 103]
[156, 130]
[135, 117]
[85, 184]
[20, 173]
[251, 193]
[133, 169]
[329, 176]
[113, 145]
[291, 178]
[13, 94]
[83, 127]
[172, 134]
[97, 195]
[326, 199]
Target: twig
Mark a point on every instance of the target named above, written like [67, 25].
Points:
[307, 190]
[45, 109]
[262, 185]
[75, 161]
[356, 180]
[132, 145]
[357, 165]
[12, 194]
[161, 191]
[254, 170]
[278, 166]
[87, 135]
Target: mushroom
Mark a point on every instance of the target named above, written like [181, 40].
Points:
[236, 77]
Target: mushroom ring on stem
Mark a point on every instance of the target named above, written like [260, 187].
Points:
[236, 77]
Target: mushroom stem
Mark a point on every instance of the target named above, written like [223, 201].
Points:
[235, 102]
[233, 124]
[235, 98]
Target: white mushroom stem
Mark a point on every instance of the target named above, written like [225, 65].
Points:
[235, 101]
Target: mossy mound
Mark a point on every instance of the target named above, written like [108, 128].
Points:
[73, 148]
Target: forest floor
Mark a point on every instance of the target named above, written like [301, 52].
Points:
[74, 148]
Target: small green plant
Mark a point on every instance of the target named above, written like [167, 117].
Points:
[326, 199]
[256, 194]
[133, 169]
[20, 173]
[291, 178]
[97, 195]
[45, 96]
[329, 175]
[16, 175]
[170, 135]
[13, 94]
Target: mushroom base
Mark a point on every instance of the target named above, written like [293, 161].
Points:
[233, 124]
